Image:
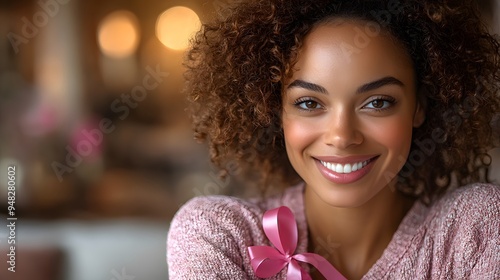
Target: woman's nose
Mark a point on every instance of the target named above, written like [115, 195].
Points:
[343, 131]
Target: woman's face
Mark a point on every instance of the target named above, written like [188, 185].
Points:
[348, 112]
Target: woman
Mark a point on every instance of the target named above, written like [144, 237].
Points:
[377, 113]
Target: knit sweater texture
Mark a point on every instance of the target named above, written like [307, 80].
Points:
[455, 237]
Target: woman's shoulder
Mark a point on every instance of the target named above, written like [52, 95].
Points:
[217, 207]
[208, 237]
[216, 231]
[465, 217]
[233, 210]
[465, 231]
[474, 204]
[456, 236]
[475, 200]
[477, 191]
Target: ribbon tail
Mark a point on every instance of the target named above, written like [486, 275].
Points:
[321, 264]
[294, 271]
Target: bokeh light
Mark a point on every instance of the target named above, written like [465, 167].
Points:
[176, 26]
[118, 34]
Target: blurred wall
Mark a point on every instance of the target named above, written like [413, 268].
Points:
[92, 115]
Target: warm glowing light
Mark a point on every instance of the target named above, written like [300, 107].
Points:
[176, 26]
[118, 34]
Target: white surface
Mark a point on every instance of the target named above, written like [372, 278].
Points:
[103, 250]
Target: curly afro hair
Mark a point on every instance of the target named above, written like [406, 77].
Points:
[238, 63]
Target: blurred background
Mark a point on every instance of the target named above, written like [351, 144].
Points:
[92, 116]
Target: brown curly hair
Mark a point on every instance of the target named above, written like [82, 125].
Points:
[238, 63]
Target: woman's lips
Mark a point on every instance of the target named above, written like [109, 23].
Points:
[345, 170]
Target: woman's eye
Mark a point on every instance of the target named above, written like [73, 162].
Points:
[308, 105]
[379, 104]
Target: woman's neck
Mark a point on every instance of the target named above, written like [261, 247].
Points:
[353, 239]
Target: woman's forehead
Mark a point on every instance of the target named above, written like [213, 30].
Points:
[346, 48]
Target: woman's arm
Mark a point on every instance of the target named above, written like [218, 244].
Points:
[208, 239]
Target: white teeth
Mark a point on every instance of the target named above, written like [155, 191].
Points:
[339, 168]
[346, 168]
[329, 166]
[354, 167]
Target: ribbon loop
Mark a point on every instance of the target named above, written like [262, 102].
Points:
[281, 229]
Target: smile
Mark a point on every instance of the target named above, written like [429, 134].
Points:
[344, 168]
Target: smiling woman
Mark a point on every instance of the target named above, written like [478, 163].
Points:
[334, 119]
[350, 100]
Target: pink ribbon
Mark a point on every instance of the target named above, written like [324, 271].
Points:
[281, 229]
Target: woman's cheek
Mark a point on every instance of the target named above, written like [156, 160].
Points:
[300, 132]
[395, 134]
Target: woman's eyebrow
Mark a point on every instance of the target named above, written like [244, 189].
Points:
[378, 84]
[308, 85]
[362, 89]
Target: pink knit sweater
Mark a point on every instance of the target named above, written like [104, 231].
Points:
[456, 237]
